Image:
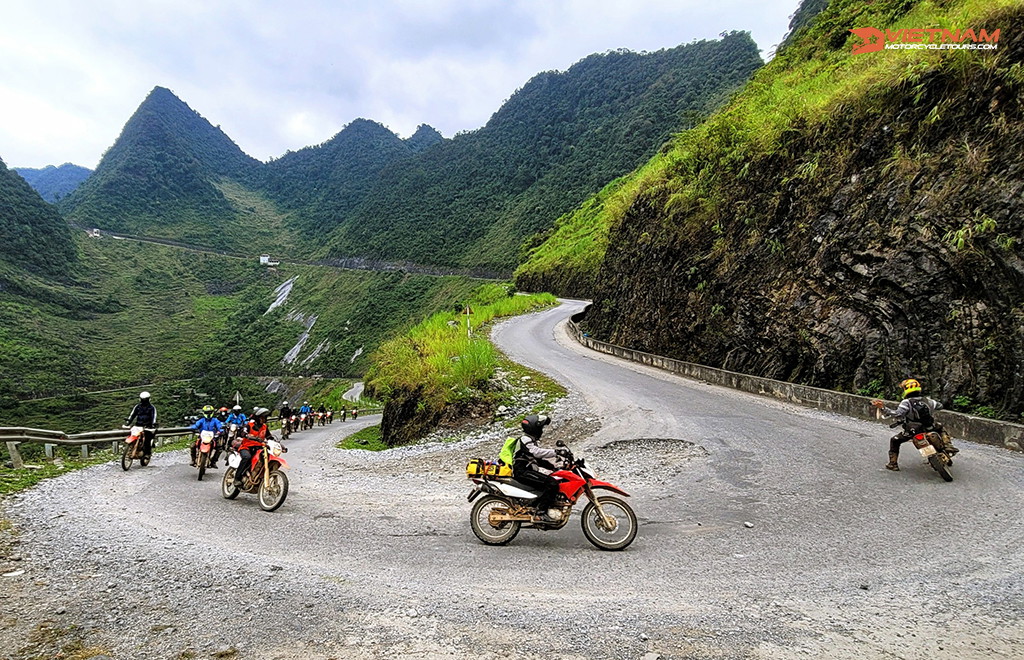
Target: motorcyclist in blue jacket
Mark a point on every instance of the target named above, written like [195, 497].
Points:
[207, 423]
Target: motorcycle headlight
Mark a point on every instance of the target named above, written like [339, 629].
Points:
[275, 449]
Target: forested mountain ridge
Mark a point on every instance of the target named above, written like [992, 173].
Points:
[54, 183]
[322, 184]
[846, 222]
[161, 177]
[472, 200]
[34, 236]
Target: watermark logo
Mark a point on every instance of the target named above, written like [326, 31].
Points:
[874, 40]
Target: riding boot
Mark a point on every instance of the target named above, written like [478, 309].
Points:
[892, 464]
[947, 443]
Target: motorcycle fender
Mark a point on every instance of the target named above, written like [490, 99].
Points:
[278, 459]
[234, 460]
[604, 485]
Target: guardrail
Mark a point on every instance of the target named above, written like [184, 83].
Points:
[16, 435]
[969, 427]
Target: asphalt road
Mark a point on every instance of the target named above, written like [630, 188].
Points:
[767, 531]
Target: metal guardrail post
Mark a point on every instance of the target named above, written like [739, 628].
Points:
[49, 448]
[85, 452]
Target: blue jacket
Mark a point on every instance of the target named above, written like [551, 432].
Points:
[211, 424]
[305, 410]
[239, 419]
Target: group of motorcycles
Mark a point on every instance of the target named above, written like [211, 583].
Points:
[302, 421]
[265, 477]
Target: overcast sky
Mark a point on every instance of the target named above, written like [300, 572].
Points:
[281, 75]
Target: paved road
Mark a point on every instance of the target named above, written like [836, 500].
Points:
[767, 530]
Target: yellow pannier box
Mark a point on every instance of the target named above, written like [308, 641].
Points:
[478, 467]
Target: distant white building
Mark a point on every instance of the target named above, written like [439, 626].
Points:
[265, 260]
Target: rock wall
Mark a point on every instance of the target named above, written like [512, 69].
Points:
[883, 242]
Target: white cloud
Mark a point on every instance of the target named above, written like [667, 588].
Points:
[279, 76]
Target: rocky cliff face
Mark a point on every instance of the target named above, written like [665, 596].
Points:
[883, 242]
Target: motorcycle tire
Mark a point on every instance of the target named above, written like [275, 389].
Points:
[940, 467]
[616, 538]
[204, 458]
[144, 460]
[127, 456]
[273, 491]
[501, 534]
[227, 486]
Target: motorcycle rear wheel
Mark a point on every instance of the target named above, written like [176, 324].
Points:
[616, 538]
[203, 460]
[940, 467]
[127, 456]
[501, 534]
[273, 491]
[227, 486]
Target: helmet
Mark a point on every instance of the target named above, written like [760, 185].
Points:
[284, 403]
[223, 409]
[144, 396]
[305, 403]
[533, 425]
[910, 386]
[208, 410]
[260, 412]
[236, 409]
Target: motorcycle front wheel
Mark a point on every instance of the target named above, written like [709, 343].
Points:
[127, 456]
[273, 490]
[227, 487]
[614, 536]
[479, 520]
[203, 460]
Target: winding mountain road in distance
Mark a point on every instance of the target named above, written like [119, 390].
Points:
[767, 531]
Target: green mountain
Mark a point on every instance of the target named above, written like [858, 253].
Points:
[170, 174]
[54, 183]
[846, 221]
[322, 184]
[472, 200]
[34, 236]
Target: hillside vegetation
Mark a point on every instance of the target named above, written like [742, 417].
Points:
[472, 201]
[846, 221]
[34, 237]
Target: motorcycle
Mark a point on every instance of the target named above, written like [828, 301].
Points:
[330, 417]
[321, 419]
[206, 444]
[133, 448]
[508, 505]
[933, 449]
[286, 427]
[265, 476]
[303, 419]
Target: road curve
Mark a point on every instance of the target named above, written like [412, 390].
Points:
[767, 530]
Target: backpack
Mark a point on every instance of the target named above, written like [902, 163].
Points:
[508, 451]
[920, 413]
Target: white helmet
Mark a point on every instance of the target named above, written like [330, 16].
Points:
[144, 396]
[285, 403]
[237, 409]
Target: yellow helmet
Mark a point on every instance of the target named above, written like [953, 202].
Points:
[910, 386]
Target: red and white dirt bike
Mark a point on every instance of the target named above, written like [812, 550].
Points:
[507, 505]
[330, 416]
[133, 448]
[265, 477]
[305, 421]
[205, 444]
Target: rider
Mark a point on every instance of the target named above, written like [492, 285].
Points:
[207, 423]
[306, 409]
[915, 413]
[533, 464]
[257, 435]
[286, 414]
[144, 413]
[236, 417]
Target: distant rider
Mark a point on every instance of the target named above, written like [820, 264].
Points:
[256, 437]
[915, 413]
[286, 415]
[237, 417]
[207, 423]
[306, 409]
[533, 464]
[144, 414]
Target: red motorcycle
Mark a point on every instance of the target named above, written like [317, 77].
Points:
[507, 505]
[205, 443]
[265, 477]
[133, 448]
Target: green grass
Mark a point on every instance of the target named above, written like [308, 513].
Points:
[368, 438]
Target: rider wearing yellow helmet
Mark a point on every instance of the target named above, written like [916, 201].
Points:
[915, 413]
